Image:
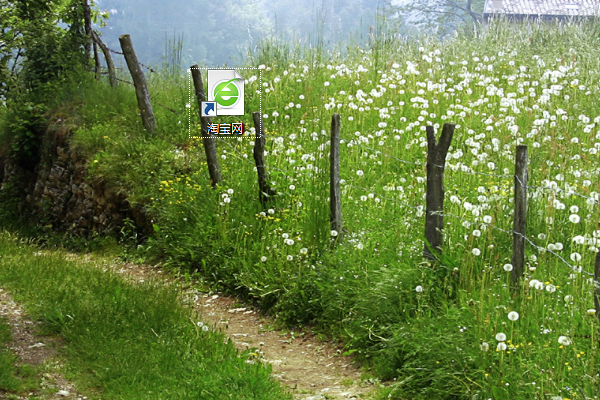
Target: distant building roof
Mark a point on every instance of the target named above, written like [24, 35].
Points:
[547, 9]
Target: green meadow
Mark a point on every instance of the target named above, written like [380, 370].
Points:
[453, 330]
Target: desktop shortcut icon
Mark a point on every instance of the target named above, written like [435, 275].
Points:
[226, 90]
[209, 109]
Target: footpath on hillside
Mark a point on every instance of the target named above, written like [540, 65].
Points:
[37, 352]
[311, 368]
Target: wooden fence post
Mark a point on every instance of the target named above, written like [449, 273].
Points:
[112, 75]
[96, 61]
[265, 191]
[597, 286]
[520, 215]
[139, 81]
[436, 161]
[335, 199]
[208, 140]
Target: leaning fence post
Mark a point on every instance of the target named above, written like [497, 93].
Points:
[520, 215]
[96, 61]
[335, 201]
[597, 286]
[436, 161]
[112, 75]
[264, 190]
[208, 140]
[139, 81]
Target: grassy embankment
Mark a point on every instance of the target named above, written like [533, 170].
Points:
[439, 332]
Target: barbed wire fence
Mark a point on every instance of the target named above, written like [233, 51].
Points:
[434, 166]
[475, 223]
[520, 179]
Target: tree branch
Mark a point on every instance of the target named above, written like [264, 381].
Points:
[468, 10]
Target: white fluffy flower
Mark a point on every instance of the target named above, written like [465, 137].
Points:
[564, 340]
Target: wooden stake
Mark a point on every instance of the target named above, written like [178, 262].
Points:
[436, 161]
[112, 74]
[139, 81]
[520, 215]
[266, 192]
[597, 286]
[208, 140]
[335, 201]
[96, 61]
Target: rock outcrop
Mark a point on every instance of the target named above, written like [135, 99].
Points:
[59, 193]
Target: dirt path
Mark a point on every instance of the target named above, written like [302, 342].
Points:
[36, 351]
[311, 368]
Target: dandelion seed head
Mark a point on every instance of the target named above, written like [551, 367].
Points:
[564, 340]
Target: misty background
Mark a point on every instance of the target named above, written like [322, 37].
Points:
[178, 32]
[223, 32]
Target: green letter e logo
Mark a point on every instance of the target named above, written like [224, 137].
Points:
[226, 93]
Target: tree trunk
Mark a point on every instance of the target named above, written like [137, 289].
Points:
[87, 16]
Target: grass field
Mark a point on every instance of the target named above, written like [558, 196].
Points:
[122, 340]
[453, 331]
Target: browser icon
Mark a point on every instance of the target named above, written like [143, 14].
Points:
[226, 89]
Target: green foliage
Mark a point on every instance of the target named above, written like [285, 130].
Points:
[34, 47]
[23, 131]
[432, 328]
[14, 378]
[133, 341]
[8, 380]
